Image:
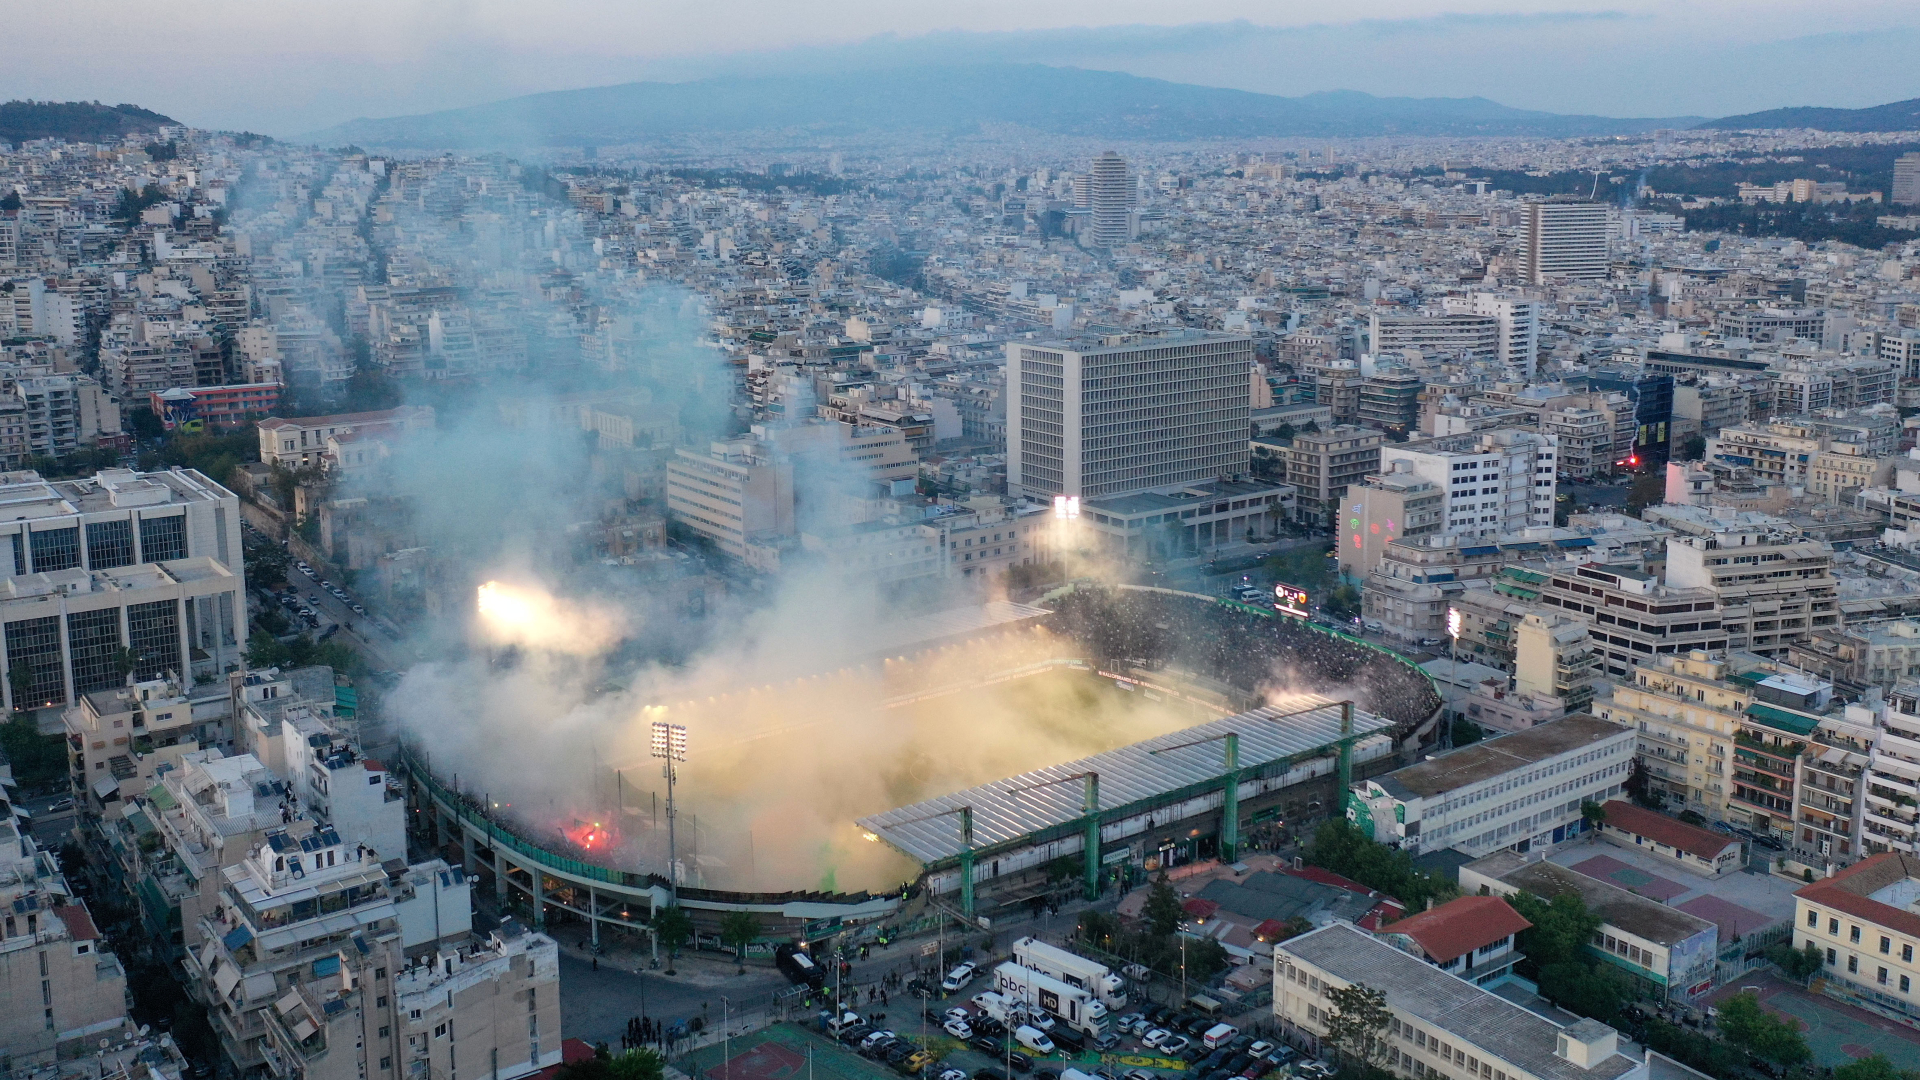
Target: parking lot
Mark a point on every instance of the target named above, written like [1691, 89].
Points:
[983, 1037]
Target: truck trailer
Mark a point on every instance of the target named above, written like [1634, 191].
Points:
[1074, 1006]
[1072, 969]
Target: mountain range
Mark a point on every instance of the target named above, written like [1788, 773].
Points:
[935, 100]
[1895, 116]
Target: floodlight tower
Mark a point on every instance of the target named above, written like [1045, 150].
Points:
[669, 743]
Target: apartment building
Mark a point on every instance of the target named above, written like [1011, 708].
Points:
[1862, 922]
[1390, 401]
[121, 738]
[1889, 819]
[146, 562]
[1670, 954]
[1563, 239]
[1634, 617]
[1554, 659]
[64, 991]
[1517, 321]
[1463, 336]
[1802, 385]
[1829, 465]
[489, 1007]
[1323, 465]
[1126, 413]
[1496, 482]
[1336, 388]
[1440, 1026]
[1687, 711]
[210, 811]
[738, 495]
[1392, 505]
[1879, 654]
[1772, 589]
[1520, 792]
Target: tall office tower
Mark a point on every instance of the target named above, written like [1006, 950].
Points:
[1906, 179]
[1082, 192]
[1111, 191]
[1126, 413]
[1564, 240]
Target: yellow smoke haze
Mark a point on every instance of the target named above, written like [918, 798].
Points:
[535, 619]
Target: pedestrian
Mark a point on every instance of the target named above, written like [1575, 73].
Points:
[596, 963]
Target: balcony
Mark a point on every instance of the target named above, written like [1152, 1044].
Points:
[1787, 750]
[1742, 759]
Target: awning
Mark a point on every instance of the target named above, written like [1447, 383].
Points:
[104, 787]
[236, 937]
[226, 979]
[1575, 542]
[326, 965]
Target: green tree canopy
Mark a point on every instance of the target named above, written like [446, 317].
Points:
[1163, 909]
[1872, 1067]
[1561, 928]
[1357, 1026]
[737, 931]
[1745, 1024]
[673, 926]
[636, 1064]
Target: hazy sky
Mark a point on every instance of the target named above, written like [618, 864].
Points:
[282, 67]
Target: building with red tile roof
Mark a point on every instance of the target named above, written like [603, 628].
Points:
[1701, 851]
[1865, 923]
[1472, 937]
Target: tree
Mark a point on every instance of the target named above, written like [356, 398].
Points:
[1592, 813]
[1871, 1067]
[1561, 928]
[672, 927]
[1798, 964]
[1357, 1026]
[38, 760]
[1591, 990]
[1745, 1024]
[1694, 448]
[636, 1064]
[1098, 928]
[1163, 910]
[1466, 732]
[1646, 491]
[737, 931]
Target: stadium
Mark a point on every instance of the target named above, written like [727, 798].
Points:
[989, 757]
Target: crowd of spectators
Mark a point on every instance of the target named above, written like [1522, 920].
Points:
[1248, 651]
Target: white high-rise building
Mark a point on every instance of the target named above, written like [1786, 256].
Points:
[1517, 319]
[1126, 413]
[1563, 240]
[1496, 482]
[1906, 180]
[1110, 191]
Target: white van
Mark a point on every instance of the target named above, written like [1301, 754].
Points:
[993, 1004]
[1219, 1035]
[1033, 1039]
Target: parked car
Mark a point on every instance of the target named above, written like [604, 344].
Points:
[956, 1013]
[1020, 1063]
[1106, 1042]
[1175, 1046]
[1155, 1037]
[1432, 642]
[1125, 1023]
[959, 1029]
[1262, 1050]
[951, 1074]
[986, 1045]
[874, 1038]
[59, 806]
[958, 978]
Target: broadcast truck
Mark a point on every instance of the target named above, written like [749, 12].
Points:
[1075, 1006]
[1072, 969]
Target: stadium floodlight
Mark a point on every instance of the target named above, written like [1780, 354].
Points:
[669, 740]
[1453, 625]
[1066, 507]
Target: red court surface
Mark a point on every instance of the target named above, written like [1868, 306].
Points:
[768, 1061]
[1836, 1032]
[1734, 921]
[1614, 872]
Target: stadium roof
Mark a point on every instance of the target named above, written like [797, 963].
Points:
[1014, 808]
